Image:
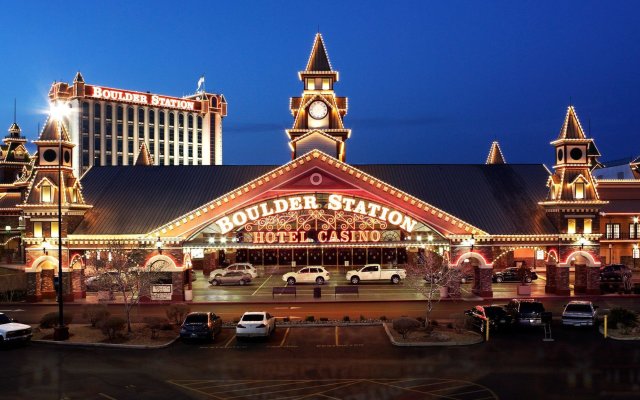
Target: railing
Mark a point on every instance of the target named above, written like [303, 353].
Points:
[620, 236]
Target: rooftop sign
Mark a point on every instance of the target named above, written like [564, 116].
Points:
[146, 99]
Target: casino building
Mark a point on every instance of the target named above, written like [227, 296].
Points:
[110, 125]
[315, 209]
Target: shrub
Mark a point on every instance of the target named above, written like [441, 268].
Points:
[177, 312]
[383, 318]
[95, 313]
[50, 320]
[310, 318]
[623, 318]
[405, 325]
[434, 322]
[346, 318]
[113, 325]
[362, 318]
[156, 324]
[286, 319]
[450, 325]
[324, 319]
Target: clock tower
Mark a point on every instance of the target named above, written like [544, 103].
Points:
[318, 114]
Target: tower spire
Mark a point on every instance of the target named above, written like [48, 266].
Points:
[495, 154]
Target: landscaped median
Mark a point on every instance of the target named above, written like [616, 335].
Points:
[408, 332]
[622, 324]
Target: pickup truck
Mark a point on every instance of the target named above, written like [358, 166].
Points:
[12, 331]
[374, 272]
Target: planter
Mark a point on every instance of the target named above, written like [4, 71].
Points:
[188, 295]
[524, 290]
[105, 295]
[444, 292]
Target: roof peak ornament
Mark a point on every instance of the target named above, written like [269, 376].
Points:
[495, 154]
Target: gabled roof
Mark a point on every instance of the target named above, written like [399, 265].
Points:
[78, 78]
[144, 157]
[316, 132]
[50, 132]
[495, 154]
[318, 59]
[155, 196]
[14, 130]
[571, 128]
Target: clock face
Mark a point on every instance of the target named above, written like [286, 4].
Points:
[318, 109]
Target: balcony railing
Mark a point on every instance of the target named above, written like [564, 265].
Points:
[620, 236]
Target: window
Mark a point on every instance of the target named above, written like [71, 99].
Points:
[45, 193]
[74, 195]
[612, 231]
[636, 252]
[311, 84]
[326, 83]
[587, 226]
[37, 229]
[633, 233]
[571, 227]
[54, 229]
[579, 190]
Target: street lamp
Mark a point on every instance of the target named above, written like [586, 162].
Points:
[58, 111]
[582, 241]
[45, 247]
[472, 242]
[159, 245]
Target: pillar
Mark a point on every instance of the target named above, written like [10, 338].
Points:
[34, 293]
[177, 279]
[580, 285]
[67, 290]
[77, 284]
[593, 280]
[550, 286]
[453, 287]
[482, 286]
[562, 281]
[47, 287]
[209, 263]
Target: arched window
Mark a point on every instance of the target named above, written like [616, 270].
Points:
[46, 193]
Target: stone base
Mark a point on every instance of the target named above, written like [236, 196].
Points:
[483, 293]
[549, 289]
[60, 333]
[580, 289]
[49, 295]
[177, 297]
[68, 298]
[80, 295]
[34, 298]
[563, 292]
[595, 291]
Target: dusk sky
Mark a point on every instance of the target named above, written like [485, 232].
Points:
[427, 82]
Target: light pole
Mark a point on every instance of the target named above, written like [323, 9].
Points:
[61, 332]
[472, 242]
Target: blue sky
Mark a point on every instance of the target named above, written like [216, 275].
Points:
[428, 82]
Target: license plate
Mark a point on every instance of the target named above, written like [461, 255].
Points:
[194, 335]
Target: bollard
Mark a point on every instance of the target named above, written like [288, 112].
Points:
[487, 331]
[605, 325]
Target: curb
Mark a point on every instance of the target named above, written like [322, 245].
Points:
[327, 324]
[427, 344]
[616, 336]
[108, 345]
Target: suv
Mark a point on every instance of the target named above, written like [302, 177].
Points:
[11, 331]
[526, 312]
[615, 276]
[512, 274]
[242, 267]
[580, 313]
[231, 278]
[314, 274]
[499, 318]
[201, 325]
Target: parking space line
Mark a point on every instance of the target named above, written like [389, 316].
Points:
[286, 335]
[260, 287]
[337, 342]
[197, 390]
[106, 396]
[229, 341]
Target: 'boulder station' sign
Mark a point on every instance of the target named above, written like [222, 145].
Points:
[146, 99]
[335, 202]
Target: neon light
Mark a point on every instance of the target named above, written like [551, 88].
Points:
[140, 98]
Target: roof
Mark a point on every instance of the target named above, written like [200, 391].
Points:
[571, 128]
[500, 199]
[318, 60]
[50, 132]
[495, 154]
[630, 206]
[10, 200]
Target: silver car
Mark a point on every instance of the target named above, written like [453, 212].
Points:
[580, 313]
[231, 278]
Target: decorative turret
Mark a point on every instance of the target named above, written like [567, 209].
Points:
[144, 157]
[14, 156]
[495, 154]
[318, 114]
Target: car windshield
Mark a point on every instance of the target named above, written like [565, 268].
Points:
[578, 308]
[4, 319]
[253, 317]
[531, 307]
[196, 319]
[493, 312]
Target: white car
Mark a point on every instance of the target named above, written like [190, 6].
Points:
[374, 272]
[255, 324]
[12, 331]
[313, 274]
[241, 267]
[580, 313]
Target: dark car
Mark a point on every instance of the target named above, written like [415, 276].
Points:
[499, 318]
[526, 312]
[615, 276]
[201, 325]
[512, 274]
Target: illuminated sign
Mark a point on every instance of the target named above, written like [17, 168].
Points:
[336, 202]
[329, 236]
[146, 99]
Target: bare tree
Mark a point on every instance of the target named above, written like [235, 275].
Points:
[121, 270]
[428, 276]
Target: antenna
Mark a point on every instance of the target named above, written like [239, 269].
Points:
[14, 110]
[589, 127]
[318, 28]
[570, 102]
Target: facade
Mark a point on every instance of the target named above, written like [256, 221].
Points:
[110, 125]
[317, 209]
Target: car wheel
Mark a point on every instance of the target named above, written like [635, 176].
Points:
[355, 280]
[291, 281]
[499, 279]
[215, 282]
[395, 279]
[528, 279]
[320, 280]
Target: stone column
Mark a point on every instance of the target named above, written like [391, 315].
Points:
[67, 290]
[177, 279]
[453, 287]
[33, 287]
[483, 286]
[562, 281]
[593, 280]
[550, 286]
[47, 287]
[209, 263]
[580, 285]
[78, 284]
